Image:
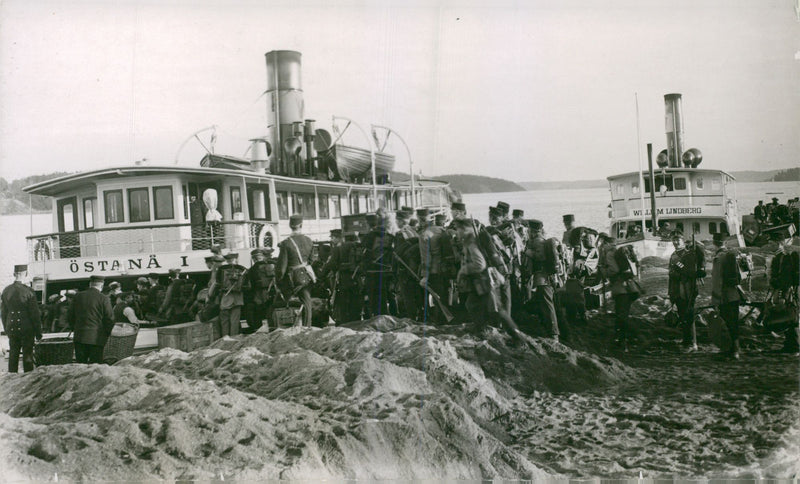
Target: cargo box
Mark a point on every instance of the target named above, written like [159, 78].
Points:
[185, 336]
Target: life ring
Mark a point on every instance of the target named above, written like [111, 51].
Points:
[268, 237]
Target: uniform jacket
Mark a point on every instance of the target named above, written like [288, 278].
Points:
[725, 278]
[615, 267]
[378, 245]
[91, 316]
[543, 260]
[430, 250]
[288, 257]
[684, 266]
[784, 271]
[19, 310]
[228, 287]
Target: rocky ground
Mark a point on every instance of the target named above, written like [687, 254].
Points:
[397, 399]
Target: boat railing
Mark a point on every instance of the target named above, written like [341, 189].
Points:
[151, 239]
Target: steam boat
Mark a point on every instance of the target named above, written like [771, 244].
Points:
[127, 221]
[698, 202]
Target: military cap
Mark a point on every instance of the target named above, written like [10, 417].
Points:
[535, 224]
[440, 217]
[503, 206]
[761, 201]
[401, 215]
[568, 217]
[174, 272]
[719, 237]
[143, 280]
[495, 211]
[774, 199]
[20, 268]
[231, 255]
[256, 252]
[406, 209]
[518, 213]
[114, 284]
[296, 220]
[94, 279]
[336, 232]
[458, 206]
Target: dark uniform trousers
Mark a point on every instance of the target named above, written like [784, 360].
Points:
[378, 293]
[622, 309]
[686, 317]
[15, 344]
[88, 353]
[545, 302]
[483, 309]
[729, 312]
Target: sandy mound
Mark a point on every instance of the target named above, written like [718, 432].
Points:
[358, 402]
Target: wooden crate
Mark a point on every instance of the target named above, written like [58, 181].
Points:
[185, 336]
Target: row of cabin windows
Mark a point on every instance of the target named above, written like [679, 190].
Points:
[712, 227]
[669, 181]
[138, 205]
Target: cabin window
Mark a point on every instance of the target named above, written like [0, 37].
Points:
[635, 188]
[335, 205]
[723, 227]
[162, 201]
[619, 188]
[323, 205]
[665, 180]
[236, 200]
[304, 204]
[699, 182]
[139, 205]
[113, 206]
[680, 184]
[696, 227]
[88, 212]
[283, 205]
[258, 202]
[185, 190]
[354, 208]
[712, 227]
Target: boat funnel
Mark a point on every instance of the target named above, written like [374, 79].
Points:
[674, 128]
[286, 105]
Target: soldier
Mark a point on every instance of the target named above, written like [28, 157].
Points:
[343, 266]
[261, 280]
[543, 260]
[439, 220]
[227, 290]
[520, 225]
[784, 278]
[377, 265]
[614, 266]
[569, 225]
[457, 210]
[430, 251]
[92, 317]
[760, 212]
[503, 209]
[477, 283]
[406, 288]
[21, 320]
[725, 290]
[293, 271]
[686, 265]
[179, 295]
[156, 295]
[500, 256]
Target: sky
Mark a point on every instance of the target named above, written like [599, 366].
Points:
[528, 91]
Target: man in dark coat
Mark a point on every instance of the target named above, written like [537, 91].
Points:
[21, 319]
[686, 265]
[295, 252]
[725, 290]
[92, 317]
[261, 280]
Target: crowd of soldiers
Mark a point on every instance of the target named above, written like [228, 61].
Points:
[774, 213]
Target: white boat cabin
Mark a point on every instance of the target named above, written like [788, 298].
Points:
[695, 201]
[130, 221]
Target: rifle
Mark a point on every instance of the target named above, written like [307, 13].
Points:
[445, 311]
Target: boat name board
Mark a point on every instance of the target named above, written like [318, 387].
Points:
[637, 212]
[128, 264]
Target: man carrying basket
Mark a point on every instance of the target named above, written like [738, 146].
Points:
[293, 270]
[93, 319]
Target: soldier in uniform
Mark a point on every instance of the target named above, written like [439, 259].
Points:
[784, 279]
[179, 295]
[21, 320]
[156, 295]
[503, 210]
[343, 266]
[760, 212]
[377, 265]
[615, 266]
[569, 225]
[406, 288]
[227, 290]
[261, 280]
[457, 210]
[519, 223]
[430, 271]
[543, 260]
[686, 264]
[92, 317]
[725, 290]
[293, 269]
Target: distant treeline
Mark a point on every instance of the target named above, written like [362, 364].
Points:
[479, 184]
[792, 174]
[13, 200]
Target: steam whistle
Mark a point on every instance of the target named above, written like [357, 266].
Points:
[311, 155]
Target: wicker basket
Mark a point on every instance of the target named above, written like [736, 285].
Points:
[120, 343]
[55, 351]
